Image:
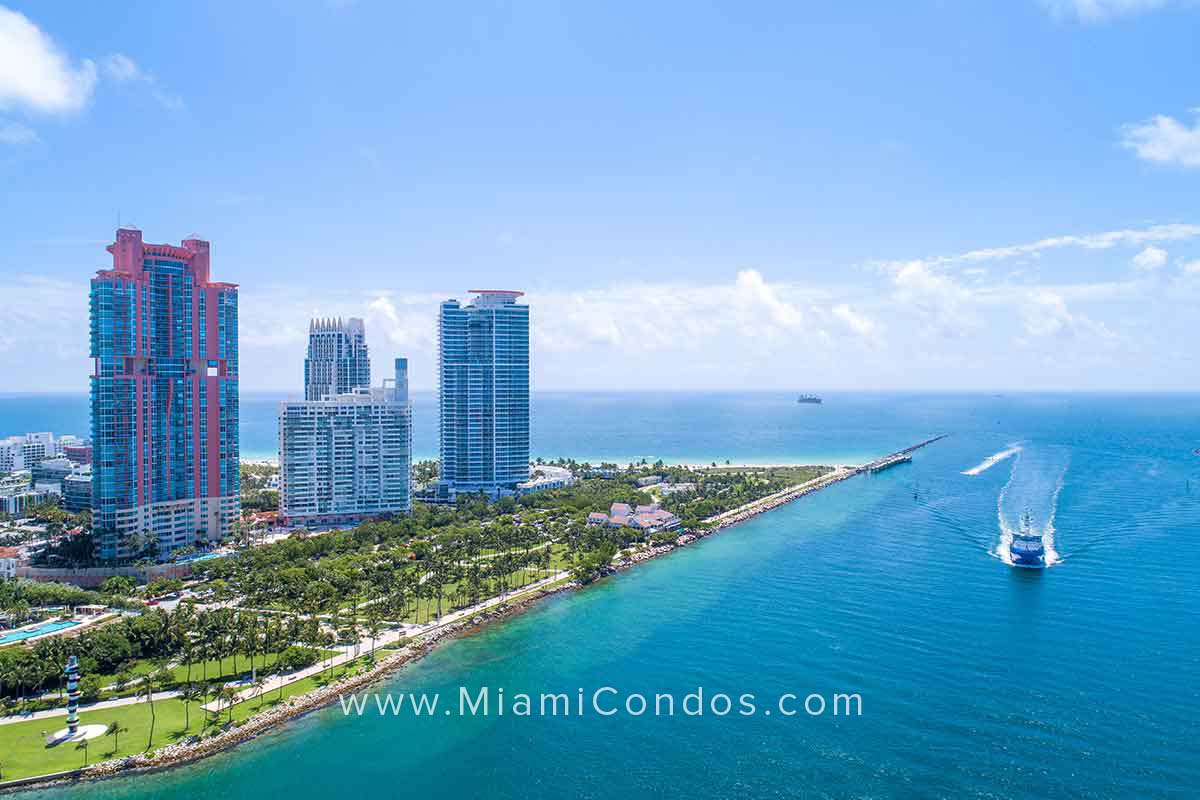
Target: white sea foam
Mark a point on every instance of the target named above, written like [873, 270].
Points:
[993, 460]
[1029, 483]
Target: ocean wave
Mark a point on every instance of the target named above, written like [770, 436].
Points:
[993, 460]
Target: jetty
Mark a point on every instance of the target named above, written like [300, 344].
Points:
[839, 474]
[890, 461]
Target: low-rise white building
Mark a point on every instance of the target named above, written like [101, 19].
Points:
[10, 558]
[22, 452]
[545, 477]
[18, 494]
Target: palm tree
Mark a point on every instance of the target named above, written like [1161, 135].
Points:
[115, 729]
[150, 682]
[84, 747]
[228, 695]
[259, 684]
[373, 627]
[189, 694]
[279, 671]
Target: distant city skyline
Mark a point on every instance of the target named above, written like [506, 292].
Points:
[863, 197]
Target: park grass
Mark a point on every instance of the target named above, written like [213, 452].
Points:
[201, 672]
[23, 752]
[426, 608]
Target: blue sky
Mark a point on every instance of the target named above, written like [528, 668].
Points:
[920, 195]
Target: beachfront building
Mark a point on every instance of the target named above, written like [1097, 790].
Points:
[337, 360]
[544, 477]
[483, 393]
[164, 399]
[23, 452]
[347, 457]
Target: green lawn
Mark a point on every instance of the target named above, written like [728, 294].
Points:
[22, 745]
[208, 671]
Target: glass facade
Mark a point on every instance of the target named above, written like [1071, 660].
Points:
[164, 408]
[337, 361]
[483, 388]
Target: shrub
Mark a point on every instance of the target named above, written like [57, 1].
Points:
[89, 689]
[296, 657]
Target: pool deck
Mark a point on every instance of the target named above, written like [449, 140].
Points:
[76, 626]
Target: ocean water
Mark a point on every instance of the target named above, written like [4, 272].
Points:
[977, 680]
[692, 427]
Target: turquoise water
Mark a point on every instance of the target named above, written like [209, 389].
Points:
[977, 680]
[49, 627]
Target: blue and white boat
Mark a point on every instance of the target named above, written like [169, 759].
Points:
[1027, 549]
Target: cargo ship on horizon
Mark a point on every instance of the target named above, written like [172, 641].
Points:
[809, 399]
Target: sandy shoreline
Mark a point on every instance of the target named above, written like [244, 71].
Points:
[194, 748]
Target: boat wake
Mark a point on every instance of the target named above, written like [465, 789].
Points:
[993, 460]
[1037, 479]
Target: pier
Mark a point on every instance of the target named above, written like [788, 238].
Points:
[899, 457]
[890, 461]
[752, 509]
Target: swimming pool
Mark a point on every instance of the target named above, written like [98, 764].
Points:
[40, 630]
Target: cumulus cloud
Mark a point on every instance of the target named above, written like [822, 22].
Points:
[1192, 267]
[945, 305]
[1165, 140]
[37, 76]
[754, 295]
[1150, 259]
[16, 133]
[1101, 10]
[859, 324]
[1046, 314]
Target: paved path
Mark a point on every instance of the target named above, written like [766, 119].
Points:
[345, 654]
[103, 704]
[348, 653]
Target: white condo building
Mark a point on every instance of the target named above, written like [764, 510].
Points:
[23, 452]
[347, 457]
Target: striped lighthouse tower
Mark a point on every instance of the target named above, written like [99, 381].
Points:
[72, 673]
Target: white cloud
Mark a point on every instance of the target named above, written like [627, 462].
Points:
[1101, 10]
[1131, 237]
[862, 325]
[753, 295]
[35, 75]
[1164, 140]
[945, 305]
[1150, 259]
[16, 133]
[123, 69]
[1046, 314]
[1192, 267]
